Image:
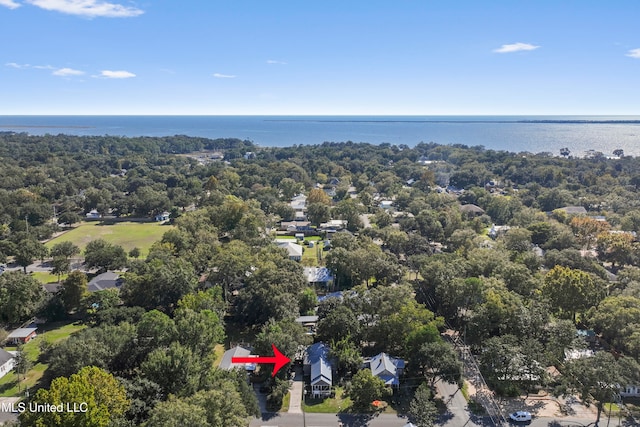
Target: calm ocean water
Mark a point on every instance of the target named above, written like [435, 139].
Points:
[512, 133]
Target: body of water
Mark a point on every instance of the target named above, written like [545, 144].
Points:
[512, 133]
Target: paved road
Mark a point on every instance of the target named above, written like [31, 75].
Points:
[327, 420]
[457, 413]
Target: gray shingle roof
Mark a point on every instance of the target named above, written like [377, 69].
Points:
[104, 281]
[5, 356]
[237, 351]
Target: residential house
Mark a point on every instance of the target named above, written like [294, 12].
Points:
[471, 210]
[106, 280]
[7, 361]
[386, 204]
[318, 367]
[294, 250]
[237, 351]
[334, 225]
[308, 323]
[93, 214]
[320, 276]
[573, 210]
[21, 336]
[295, 226]
[164, 216]
[387, 368]
[299, 206]
[338, 295]
[628, 391]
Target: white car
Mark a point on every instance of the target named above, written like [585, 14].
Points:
[520, 416]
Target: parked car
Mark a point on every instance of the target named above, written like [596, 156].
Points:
[520, 416]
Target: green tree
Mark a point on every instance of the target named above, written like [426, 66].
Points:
[597, 379]
[64, 249]
[572, 291]
[338, 324]
[438, 361]
[223, 406]
[617, 318]
[22, 363]
[347, 356]
[61, 265]
[318, 213]
[199, 330]
[135, 253]
[176, 369]
[422, 409]
[104, 255]
[177, 413]
[158, 283]
[29, 250]
[156, 330]
[72, 290]
[104, 397]
[365, 388]
[21, 296]
[286, 335]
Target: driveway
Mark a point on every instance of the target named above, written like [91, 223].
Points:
[296, 390]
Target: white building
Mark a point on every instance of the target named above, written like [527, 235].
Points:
[7, 362]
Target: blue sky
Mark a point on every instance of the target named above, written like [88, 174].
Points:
[406, 57]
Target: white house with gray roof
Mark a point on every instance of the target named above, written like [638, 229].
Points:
[387, 368]
[318, 367]
[7, 361]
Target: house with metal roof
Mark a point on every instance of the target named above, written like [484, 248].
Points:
[294, 250]
[387, 368]
[236, 351]
[320, 276]
[318, 367]
[21, 335]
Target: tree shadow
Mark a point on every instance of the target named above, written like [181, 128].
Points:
[354, 420]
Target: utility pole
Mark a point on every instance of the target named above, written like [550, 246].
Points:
[26, 223]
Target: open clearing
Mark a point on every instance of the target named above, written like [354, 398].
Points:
[129, 235]
[53, 333]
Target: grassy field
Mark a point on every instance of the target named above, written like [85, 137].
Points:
[129, 235]
[54, 332]
[45, 277]
[340, 403]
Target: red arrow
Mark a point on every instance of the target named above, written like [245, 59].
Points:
[278, 360]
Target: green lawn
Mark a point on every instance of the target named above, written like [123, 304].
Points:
[340, 403]
[45, 277]
[129, 235]
[285, 402]
[53, 332]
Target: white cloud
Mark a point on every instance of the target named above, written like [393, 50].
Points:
[273, 61]
[65, 72]
[224, 76]
[88, 8]
[10, 4]
[634, 53]
[116, 74]
[515, 47]
[25, 66]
